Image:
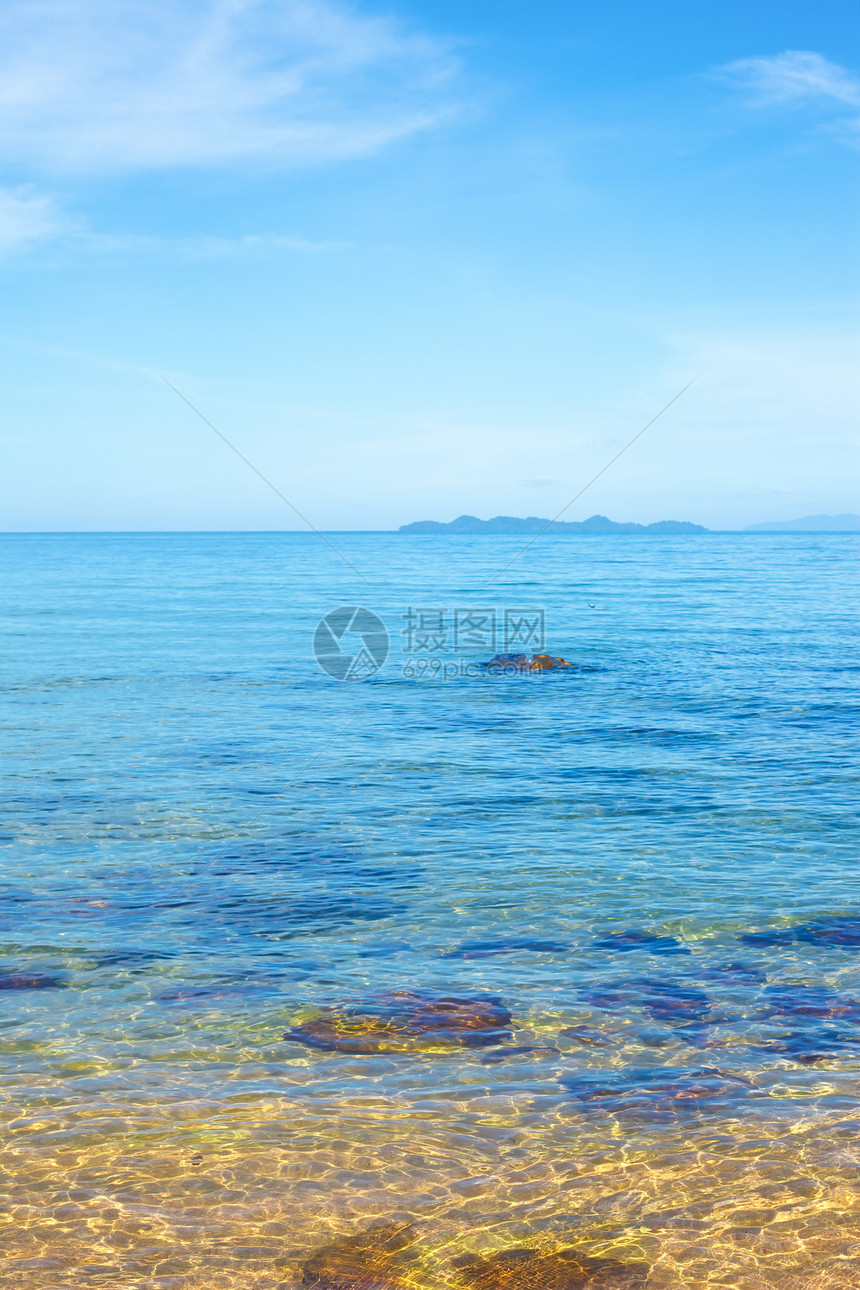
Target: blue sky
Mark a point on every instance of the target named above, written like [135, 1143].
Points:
[423, 259]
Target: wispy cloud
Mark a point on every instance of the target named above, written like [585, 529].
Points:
[798, 78]
[796, 75]
[204, 246]
[25, 217]
[103, 85]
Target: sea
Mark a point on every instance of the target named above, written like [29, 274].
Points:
[331, 957]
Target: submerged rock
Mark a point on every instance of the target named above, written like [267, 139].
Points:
[805, 1006]
[499, 1055]
[385, 950]
[820, 1045]
[774, 936]
[132, 959]
[842, 933]
[370, 1260]
[635, 939]
[734, 974]
[797, 999]
[528, 1269]
[661, 1092]
[590, 1036]
[527, 663]
[281, 916]
[674, 1004]
[482, 949]
[406, 1020]
[215, 992]
[666, 1001]
[31, 981]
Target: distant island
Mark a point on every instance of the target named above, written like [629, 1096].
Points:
[534, 524]
[809, 524]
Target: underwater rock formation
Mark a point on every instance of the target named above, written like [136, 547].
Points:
[842, 933]
[527, 663]
[527, 1269]
[667, 1001]
[499, 1055]
[370, 1260]
[797, 999]
[385, 950]
[482, 949]
[406, 1020]
[804, 1006]
[31, 981]
[640, 940]
[765, 939]
[590, 1036]
[657, 1092]
[808, 1047]
[216, 991]
[839, 932]
[734, 974]
[133, 960]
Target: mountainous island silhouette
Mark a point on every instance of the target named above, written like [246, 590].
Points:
[534, 524]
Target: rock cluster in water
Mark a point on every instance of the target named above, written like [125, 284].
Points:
[403, 1020]
[415, 1020]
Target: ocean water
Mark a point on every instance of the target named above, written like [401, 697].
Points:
[239, 896]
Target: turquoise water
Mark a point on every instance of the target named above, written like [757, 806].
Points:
[647, 863]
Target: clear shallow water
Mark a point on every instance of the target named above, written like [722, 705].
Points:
[207, 841]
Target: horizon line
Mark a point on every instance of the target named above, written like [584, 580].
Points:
[753, 530]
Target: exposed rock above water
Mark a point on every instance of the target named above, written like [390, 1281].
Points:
[527, 663]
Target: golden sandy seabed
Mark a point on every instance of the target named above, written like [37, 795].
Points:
[240, 1193]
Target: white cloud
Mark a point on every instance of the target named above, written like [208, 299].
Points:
[101, 84]
[798, 78]
[25, 217]
[795, 76]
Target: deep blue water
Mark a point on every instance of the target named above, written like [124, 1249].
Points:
[207, 840]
